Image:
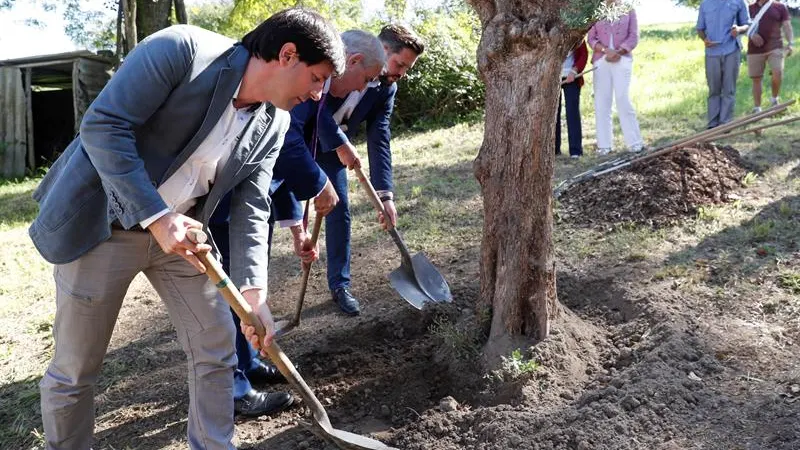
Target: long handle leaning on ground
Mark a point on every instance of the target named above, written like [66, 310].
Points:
[242, 309]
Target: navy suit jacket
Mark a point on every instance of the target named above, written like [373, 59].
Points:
[298, 177]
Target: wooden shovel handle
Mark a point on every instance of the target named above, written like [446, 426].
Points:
[246, 314]
[306, 271]
[229, 292]
[373, 196]
[378, 204]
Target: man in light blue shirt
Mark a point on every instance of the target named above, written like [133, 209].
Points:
[719, 24]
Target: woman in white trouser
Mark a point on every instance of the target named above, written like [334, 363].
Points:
[612, 43]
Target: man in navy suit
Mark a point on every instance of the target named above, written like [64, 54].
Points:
[339, 118]
[339, 123]
[295, 177]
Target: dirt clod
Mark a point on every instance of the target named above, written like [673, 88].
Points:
[658, 191]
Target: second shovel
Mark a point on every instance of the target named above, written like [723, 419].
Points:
[416, 280]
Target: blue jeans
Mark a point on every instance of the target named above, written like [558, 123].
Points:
[572, 105]
[337, 224]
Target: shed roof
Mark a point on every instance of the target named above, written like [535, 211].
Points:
[52, 59]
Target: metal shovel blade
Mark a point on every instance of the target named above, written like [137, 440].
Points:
[284, 327]
[346, 440]
[420, 282]
[430, 280]
[403, 281]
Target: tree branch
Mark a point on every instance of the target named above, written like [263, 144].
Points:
[486, 9]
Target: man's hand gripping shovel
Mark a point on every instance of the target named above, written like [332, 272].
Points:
[321, 425]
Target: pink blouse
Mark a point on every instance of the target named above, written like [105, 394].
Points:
[625, 31]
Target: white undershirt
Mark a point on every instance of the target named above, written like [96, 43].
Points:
[350, 103]
[569, 63]
[194, 178]
[341, 114]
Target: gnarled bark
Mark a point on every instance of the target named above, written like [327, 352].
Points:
[522, 49]
[151, 16]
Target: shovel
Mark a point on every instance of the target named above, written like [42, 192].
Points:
[321, 425]
[283, 327]
[416, 280]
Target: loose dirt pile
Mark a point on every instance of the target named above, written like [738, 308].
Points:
[659, 191]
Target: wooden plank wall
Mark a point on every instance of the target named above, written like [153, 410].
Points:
[89, 78]
[13, 129]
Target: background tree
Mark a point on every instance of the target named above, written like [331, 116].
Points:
[522, 48]
[444, 86]
[246, 14]
[212, 15]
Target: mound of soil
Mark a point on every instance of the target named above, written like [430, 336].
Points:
[659, 191]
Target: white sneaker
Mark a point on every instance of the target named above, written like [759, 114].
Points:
[603, 151]
[575, 156]
[756, 110]
[774, 101]
[637, 148]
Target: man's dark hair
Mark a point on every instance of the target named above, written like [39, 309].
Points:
[316, 39]
[397, 37]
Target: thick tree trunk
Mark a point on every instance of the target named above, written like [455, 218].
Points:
[151, 16]
[520, 56]
[180, 12]
[129, 13]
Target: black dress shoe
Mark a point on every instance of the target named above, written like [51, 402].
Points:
[264, 373]
[259, 403]
[347, 303]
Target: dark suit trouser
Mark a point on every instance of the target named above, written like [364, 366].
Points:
[246, 355]
[337, 224]
[572, 105]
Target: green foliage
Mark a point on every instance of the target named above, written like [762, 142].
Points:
[444, 85]
[461, 343]
[247, 14]
[689, 3]
[211, 15]
[580, 14]
[790, 281]
[515, 367]
[395, 9]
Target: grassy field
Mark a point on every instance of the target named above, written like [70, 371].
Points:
[434, 178]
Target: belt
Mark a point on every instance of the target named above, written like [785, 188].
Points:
[115, 225]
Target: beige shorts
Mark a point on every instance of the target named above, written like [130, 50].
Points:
[757, 62]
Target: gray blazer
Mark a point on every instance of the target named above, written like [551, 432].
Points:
[154, 112]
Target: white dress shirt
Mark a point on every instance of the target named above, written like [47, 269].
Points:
[346, 110]
[194, 178]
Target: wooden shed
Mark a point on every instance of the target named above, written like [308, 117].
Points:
[43, 99]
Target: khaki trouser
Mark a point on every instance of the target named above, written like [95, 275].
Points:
[89, 294]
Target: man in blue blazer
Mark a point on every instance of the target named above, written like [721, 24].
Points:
[339, 121]
[189, 116]
[292, 180]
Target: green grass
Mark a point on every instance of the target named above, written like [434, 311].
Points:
[17, 207]
[669, 88]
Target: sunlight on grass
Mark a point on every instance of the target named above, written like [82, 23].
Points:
[17, 207]
[669, 87]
